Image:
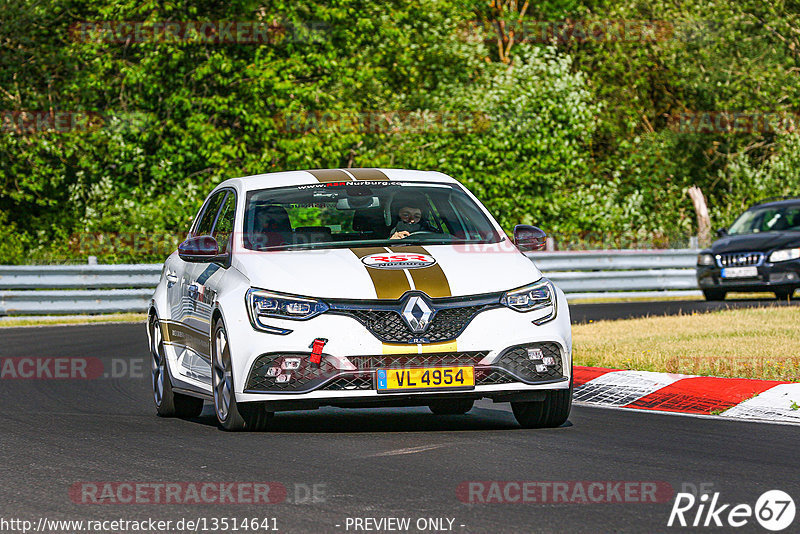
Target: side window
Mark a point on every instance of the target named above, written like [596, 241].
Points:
[206, 222]
[793, 216]
[224, 227]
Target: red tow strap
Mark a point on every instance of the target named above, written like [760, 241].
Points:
[316, 351]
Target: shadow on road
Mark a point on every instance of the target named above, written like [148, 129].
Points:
[365, 420]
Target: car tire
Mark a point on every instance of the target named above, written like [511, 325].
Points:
[451, 406]
[784, 294]
[231, 415]
[168, 403]
[714, 294]
[551, 412]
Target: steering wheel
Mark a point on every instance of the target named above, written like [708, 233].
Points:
[418, 232]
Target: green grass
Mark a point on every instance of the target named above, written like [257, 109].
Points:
[747, 343]
[74, 320]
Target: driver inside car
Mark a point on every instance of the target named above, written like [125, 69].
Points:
[411, 219]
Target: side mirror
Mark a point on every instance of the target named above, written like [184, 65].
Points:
[722, 232]
[200, 249]
[529, 238]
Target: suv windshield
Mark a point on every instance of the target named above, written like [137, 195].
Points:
[363, 213]
[767, 219]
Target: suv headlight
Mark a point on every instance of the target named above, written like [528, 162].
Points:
[537, 296]
[264, 304]
[705, 259]
[784, 255]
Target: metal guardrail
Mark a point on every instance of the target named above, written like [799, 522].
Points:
[621, 273]
[79, 276]
[76, 289]
[94, 289]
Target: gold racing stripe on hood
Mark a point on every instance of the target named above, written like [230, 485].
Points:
[430, 280]
[423, 348]
[371, 175]
[389, 284]
[331, 175]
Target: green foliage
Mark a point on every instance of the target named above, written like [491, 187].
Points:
[525, 142]
[574, 135]
[749, 179]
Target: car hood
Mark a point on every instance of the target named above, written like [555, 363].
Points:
[762, 242]
[341, 273]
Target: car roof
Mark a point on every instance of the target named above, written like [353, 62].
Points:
[289, 178]
[782, 203]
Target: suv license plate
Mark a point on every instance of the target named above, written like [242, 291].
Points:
[740, 272]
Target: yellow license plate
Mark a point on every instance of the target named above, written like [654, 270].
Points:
[425, 378]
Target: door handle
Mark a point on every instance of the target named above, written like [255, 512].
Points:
[171, 277]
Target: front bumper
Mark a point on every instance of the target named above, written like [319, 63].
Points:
[352, 354]
[348, 381]
[357, 373]
[783, 275]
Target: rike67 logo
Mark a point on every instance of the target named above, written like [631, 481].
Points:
[774, 510]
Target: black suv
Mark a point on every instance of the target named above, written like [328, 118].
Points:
[759, 252]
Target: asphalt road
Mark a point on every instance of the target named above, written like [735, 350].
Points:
[365, 463]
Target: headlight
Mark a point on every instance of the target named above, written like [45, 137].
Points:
[537, 296]
[705, 259]
[784, 255]
[264, 304]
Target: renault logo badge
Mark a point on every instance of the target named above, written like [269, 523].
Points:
[417, 314]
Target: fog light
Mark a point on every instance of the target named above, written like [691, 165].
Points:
[283, 378]
[549, 360]
[273, 371]
[291, 363]
[535, 354]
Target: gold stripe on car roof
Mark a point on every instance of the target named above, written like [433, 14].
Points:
[371, 175]
[331, 175]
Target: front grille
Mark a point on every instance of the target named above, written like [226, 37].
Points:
[740, 259]
[389, 326]
[489, 377]
[351, 382]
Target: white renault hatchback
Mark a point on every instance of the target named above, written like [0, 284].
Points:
[356, 288]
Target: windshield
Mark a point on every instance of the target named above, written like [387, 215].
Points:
[363, 213]
[772, 219]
